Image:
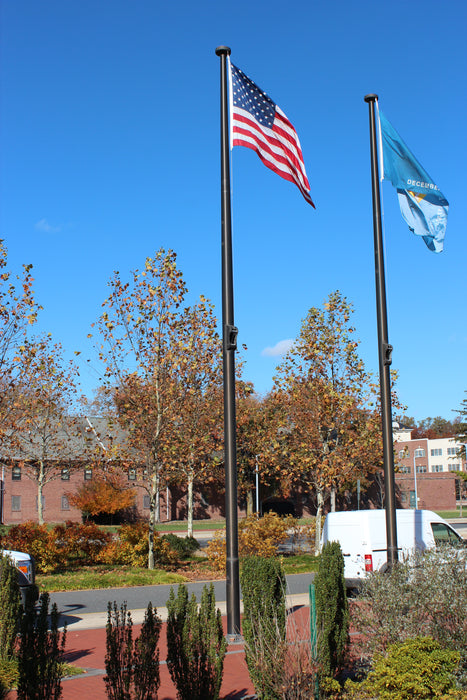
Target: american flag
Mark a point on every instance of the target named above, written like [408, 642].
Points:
[258, 123]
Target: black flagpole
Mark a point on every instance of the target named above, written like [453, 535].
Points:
[229, 334]
[385, 350]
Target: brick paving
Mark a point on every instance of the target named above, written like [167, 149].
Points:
[86, 649]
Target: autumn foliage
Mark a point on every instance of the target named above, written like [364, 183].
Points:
[256, 537]
[106, 494]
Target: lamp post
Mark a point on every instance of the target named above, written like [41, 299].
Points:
[415, 475]
[257, 486]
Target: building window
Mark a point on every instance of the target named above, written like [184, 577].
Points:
[87, 474]
[419, 452]
[132, 474]
[65, 503]
[437, 468]
[16, 474]
[452, 451]
[402, 454]
[65, 474]
[403, 497]
[437, 452]
[421, 468]
[404, 469]
[146, 501]
[16, 503]
[455, 467]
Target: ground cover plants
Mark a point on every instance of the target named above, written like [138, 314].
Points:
[422, 597]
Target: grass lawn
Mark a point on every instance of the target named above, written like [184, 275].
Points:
[194, 569]
[446, 514]
[88, 577]
[300, 563]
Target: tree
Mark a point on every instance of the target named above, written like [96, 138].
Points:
[258, 430]
[433, 428]
[199, 423]
[461, 427]
[43, 435]
[148, 354]
[329, 433]
[108, 493]
[18, 311]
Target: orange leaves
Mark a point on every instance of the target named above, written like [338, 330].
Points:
[104, 494]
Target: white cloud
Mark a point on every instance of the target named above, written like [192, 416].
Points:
[43, 225]
[279, 349]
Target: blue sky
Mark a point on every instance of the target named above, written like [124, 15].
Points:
[110, 150]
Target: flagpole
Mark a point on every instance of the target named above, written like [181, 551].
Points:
[229, 335]
[384, 349]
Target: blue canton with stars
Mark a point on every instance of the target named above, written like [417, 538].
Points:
[248, 96]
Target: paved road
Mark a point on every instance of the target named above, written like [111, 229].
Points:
[460, 526]
[138, 597]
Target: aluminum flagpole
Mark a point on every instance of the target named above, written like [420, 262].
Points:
[384, 349]
[229, 334]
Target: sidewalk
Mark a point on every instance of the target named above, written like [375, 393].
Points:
[85, 648]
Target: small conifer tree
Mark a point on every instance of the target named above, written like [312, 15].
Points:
[132, 668]
[40, 652]
[264, 623]
[9, 607]
[196, 645]
[332, 609]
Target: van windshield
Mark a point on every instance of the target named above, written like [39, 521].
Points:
[443, 534]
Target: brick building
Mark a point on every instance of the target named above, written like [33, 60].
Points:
[70, 469]
[425, 471]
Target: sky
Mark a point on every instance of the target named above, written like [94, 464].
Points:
[110, 150]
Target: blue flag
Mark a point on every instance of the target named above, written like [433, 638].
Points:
[422, 204]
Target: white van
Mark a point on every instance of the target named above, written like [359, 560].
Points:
[25, 565]
[362, 537]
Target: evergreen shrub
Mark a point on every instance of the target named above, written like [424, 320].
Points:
[196, 645]
[132, 668]
[40, 652]
[264, 623]
[332, 610]
[9, 608]
[416, 669]
[182, 546]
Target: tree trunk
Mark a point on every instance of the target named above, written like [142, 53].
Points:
[40, 487]
[158, 501]
[333, 499]
[249, 502]
[153, 498]
[319, 513]
[189, 505]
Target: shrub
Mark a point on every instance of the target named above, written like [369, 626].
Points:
[332, 610]
[40, 653]
[417, 669]
[297, 532]
[264, 624]
[9, 608]
[132, 669]
[423, 596]
[131, 547]
[82, 542]
[38, 541]
[196, 645]
[182, 546]
[8, 676]
[256, 536]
